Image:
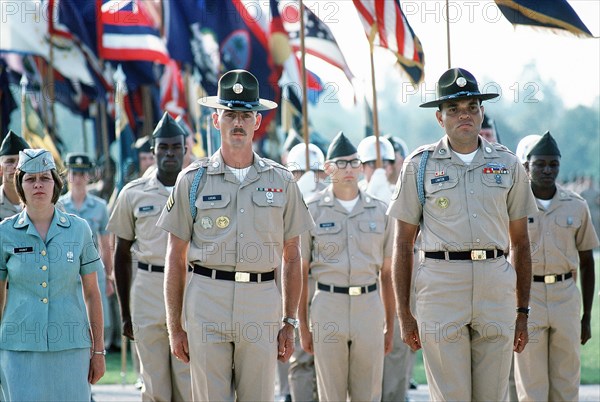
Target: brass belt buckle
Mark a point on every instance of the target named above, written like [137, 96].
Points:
[549, 278]
[354, 291]
[477, 255]
[242, 277]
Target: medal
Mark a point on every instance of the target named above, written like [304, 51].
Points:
[222, 222]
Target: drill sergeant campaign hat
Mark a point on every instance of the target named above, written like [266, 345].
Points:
[238, 90]
[457, 84]
[35, 161]
[13, 144]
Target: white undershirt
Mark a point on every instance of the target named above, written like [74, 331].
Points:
[545, 203]
[348, 205]
[466, 158]
[239, 174]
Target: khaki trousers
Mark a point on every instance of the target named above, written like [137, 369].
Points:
[348, 344]
[549, 367]
[466, 315]
[165, 377]
[232, 333]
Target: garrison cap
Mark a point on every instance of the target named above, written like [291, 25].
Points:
[456, 84]
[143, 144]
[545, 146]
[167, 127]
[13, 144]
[340, 146]
[35, 161]
[78, 162]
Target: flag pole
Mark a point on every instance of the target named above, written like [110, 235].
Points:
[448, 32]
[24, 81]
[374, 88]
[304, 91]
[148, 124]
[51, 93]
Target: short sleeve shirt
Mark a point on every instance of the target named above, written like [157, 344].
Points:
[347, 248]
[135, 215]
[559, 232]
[239, 226]
[44, 308]
[466, 206]
[94, 210]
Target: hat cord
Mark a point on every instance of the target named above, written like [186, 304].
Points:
[230, 103]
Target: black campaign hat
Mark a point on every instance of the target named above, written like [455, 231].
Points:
[167, 127]
[237, 90]
[545, 146]
[78, 162]
[340, 146]
[13, 144]
[455, 84]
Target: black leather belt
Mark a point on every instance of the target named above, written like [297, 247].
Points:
[234, 276]
[552, 278]
[352, 290]
[150, 267]
[474, 255]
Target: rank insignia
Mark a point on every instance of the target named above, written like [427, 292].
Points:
[206, 222]
[170, 202]
[222, 222]
[443, 202]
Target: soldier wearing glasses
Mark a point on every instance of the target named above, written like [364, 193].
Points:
[235, 218]
[351, 318]
[470, 199]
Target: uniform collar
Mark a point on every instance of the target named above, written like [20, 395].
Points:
[327, 199]
[442, 149]
[88, 201]
[154, 184]
[216, 165]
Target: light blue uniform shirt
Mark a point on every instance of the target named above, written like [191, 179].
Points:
[93, 210]
[44, 308]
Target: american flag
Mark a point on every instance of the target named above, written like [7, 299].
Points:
[318, 39]
[386, 26]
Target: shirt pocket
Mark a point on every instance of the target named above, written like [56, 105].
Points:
[564, 236]
[495, 188]
[268, 211]
[146, 217]
[327, 244]
[213, 217]
[370, 234]
[443, 200]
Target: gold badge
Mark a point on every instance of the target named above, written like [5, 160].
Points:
[443, 202]
[222, 222]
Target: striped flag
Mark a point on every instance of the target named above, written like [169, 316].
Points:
[128, 32]
[386, 26]
[551, 14]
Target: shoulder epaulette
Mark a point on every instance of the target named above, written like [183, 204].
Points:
[421, 149]
[134, 183]
[500, 147]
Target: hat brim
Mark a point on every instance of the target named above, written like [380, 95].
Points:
[477, 95]
[213, 101]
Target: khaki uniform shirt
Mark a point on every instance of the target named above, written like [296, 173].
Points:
[135, 215]
[347, 248]
[7, 208]
[238, 226]
[558, 233]
[466, 206]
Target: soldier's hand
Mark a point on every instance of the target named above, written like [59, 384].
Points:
[179, 345]
[97, 368]
[388, 341]
[127, 329]
[285, 343]
[410, 332]
[110, 288]
[306, 340]
[586, 331]
[521, 335]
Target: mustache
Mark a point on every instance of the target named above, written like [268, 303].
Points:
[238, 130]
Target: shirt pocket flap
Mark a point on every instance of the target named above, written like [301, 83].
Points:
[268, 199]
[371, 226]
[219, 201]
[566, 221]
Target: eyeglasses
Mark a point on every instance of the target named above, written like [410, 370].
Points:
[342, 163]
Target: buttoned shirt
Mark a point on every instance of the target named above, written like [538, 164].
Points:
[45, 310]
[466, 206]
[239, 226]
[559, 232]
[93, 210]
[7, 208]
[135, 215]
[347, 248]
